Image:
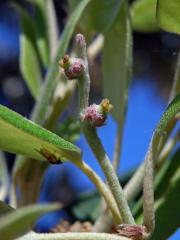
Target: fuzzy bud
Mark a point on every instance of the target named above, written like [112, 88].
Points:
[96, 115]
[80, 40]
[134, 232]
[73, 67]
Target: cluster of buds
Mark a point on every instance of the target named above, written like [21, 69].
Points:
[73, 67]
[96, 115]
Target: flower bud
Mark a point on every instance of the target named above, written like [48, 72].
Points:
[65, 62]
[80, 40]
[96, 115]
[73, 67]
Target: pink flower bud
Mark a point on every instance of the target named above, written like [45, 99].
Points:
[93, 117]
[96, 115]
[73, 67]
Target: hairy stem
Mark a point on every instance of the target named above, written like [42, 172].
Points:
[72, 236]
[162, 132]
[93, 140]
[118, 143]
[84, 81]
[102, 189]
[148, 191]
[111, 177]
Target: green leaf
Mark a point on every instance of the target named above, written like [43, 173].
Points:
[17, 223]
[29, 63]
[21, 136]
[167, 207]
[143, 14]
[168, 15]
[98, 16]
[41, 30]
[117, 62]
[5, 208]
[165, 121]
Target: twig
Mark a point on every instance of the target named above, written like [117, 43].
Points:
[72, 236]
[111, 177]
[156, 144]
[134, 186]
[95, 143]
[148, 190]
[102, 189]
[118, 143]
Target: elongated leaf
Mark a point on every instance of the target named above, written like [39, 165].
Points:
[117, 62]
[21, 136]
[143, 14]
[98, 16]
[29, 63]
[165, 121]
[5, 208]
[168, 15]
[41, 29]
[167, 207]
[17, 223]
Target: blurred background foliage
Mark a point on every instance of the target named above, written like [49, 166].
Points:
[154, 58]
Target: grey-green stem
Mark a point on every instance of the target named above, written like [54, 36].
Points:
[84, 81]
[72, 236]
[94, 141]
[111, 177]
[102, 189]
[118, 143]
[148, 191]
